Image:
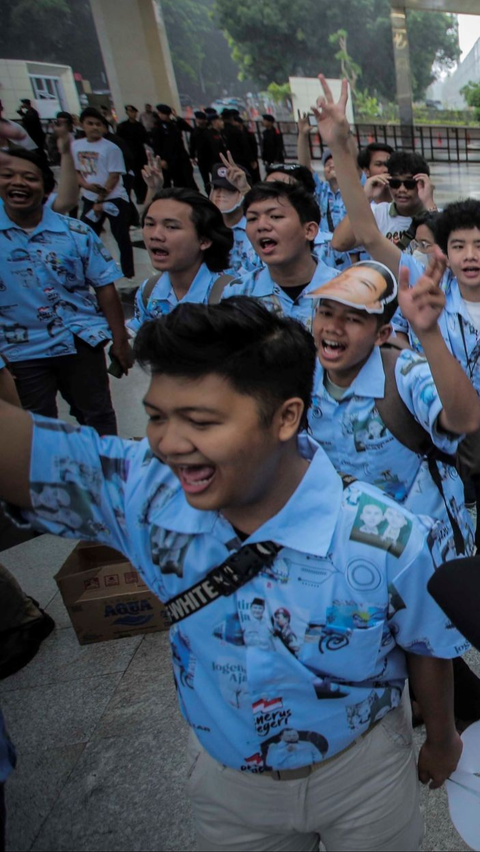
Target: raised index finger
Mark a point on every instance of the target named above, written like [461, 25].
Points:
[224, 160]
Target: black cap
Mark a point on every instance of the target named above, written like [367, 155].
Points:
[167, 110]
[227, 113]
[219, 177]
[268, 117]
[211, 111]
[199, 113]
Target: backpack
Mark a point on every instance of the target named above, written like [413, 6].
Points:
[402, 424]
[215, 293]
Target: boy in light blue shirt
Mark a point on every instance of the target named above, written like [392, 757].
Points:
[223, 472]
[282, 224]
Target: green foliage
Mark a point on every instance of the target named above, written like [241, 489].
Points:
[275, 39]
[471, 93]
[279, 94]
[366, 106]
[31, 26]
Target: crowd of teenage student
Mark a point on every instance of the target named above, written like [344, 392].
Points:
[313, 345]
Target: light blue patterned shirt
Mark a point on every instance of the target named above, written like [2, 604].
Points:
[329, 619]
[47, 279]
[328, 200]
[243, 257]
[357, 442]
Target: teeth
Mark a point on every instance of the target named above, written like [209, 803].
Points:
[333, 344]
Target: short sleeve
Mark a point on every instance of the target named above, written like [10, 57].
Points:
[419, 393]
[78, 482]
[417, 623]
[99, 266]
[115, 161]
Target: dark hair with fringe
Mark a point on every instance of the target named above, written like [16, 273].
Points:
[208, 223]
[364, 157]
[295, 193]
[459, 215]
[404, 163]
[32, 157]
[263, 355]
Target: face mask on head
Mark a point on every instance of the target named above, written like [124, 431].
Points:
[421, 257]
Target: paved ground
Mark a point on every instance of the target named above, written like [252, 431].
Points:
[99, 736]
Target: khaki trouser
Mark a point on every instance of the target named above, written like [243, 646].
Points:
[365, 799]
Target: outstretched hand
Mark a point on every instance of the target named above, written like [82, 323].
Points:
[152, 172]
[62, 135]
[375, 186]
[235, 175]
[332, 117]
[303, 123]
[422, 304]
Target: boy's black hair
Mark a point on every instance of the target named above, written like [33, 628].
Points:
[456, 216]
[67, 116]
[301, 200]
[91, 112]
[297, 172]
[364, 157]
[263, 355]
[428, 218]
[404, 163]
[208, 223]
[39, 162]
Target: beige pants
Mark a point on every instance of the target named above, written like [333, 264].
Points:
[366, 799]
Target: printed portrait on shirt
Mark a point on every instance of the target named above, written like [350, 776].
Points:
[66, 504]
[169, 550]
[369, 433]
[373, 708]
[381, 526]
[292, 749]
[88, 162]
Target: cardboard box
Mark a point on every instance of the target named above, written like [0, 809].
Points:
[106, 597]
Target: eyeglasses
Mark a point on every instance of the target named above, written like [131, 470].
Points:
[282, 167]
[408, 183]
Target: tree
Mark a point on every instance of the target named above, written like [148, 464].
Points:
[275, 39]
[471, 93]
[350, 70]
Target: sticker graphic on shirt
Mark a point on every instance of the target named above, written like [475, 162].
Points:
[293, 749]
[370, 433]
[372, 708]
[229, 629]
[381, 526]
[169, 550]
[184, 662]
[88, 162]
[257, 627]
[282, 629]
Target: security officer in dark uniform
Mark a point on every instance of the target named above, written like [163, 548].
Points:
[167, 142]
[236, 141]
[273, 150]
[200, 147]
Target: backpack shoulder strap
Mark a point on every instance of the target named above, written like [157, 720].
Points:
[395, 414]
[148, 289]
[219, 286]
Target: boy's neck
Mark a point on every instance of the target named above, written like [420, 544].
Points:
[469, 294]
[183, 279]
[344, 378]
[25, 219]
[285, 477]
[333, 184]
[292, 273]
[233, 218]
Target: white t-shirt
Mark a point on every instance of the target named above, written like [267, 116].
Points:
[390, 223]
[473, 309]
[95, 161]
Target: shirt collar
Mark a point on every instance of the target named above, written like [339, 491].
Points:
[241, 225]
[319, 495]
[454, 301]
[369, 383]
[195, 292]
[50, 221]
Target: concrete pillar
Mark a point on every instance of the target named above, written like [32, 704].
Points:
[403, 72]
[136, 54]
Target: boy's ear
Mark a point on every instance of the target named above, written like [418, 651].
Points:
[383, 334]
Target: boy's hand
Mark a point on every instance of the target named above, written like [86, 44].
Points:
[235, 175]
[303, 124]
[62, 135]
[422, 304]
[152, 172]
[425, 189]
[375, 185]
[331, 117]
[437, 761]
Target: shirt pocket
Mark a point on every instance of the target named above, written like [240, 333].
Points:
[339, 652]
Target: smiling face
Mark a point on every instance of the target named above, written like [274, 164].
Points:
[171, 237]
[214, 440]
[276, 232]
[345, 338]
[463, 250]
[406, 200]
[21, 186]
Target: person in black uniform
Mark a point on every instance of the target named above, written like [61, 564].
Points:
[251, 141]
[135, 135]
[167, 142]
[200, 147]
[272, 148]
[31, 123]
[217, 143]
[235, 139]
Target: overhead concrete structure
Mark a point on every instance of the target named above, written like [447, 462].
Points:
[135, 51]
[401, 50]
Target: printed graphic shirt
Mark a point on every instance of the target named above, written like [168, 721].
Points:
[163, 300]
[259, 283]
[313, 643]
[96, 161]
[391, 224]
[455, 323]
[331, 204]
[47, 281]
[243, 257]
[357, 442]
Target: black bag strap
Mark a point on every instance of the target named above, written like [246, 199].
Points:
[218, 288]
[240, 567]
[148, 289]
[402, 424]
[331, 226]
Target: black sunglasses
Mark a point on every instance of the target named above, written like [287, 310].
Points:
[282, 167]
[408, 183]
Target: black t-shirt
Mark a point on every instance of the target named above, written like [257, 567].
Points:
[294, 292]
